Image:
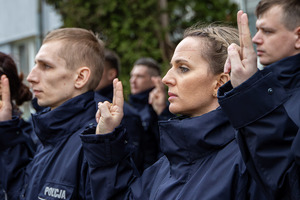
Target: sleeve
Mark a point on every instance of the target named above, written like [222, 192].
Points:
[293, 108]
[266, 132]
[134, 132]
[111, 168]
[16, 151]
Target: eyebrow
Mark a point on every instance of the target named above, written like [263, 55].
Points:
[262, 24]
[179, 61]
[43, 61]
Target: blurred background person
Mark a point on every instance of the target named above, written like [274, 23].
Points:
[144, 79]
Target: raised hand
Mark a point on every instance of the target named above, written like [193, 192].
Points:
[157, 97]
[242, 60]
[5, 103]
[109, 115]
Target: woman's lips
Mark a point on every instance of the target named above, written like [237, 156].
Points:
[171, 96]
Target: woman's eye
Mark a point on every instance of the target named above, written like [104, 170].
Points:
[183, 69]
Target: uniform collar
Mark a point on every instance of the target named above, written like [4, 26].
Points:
[140, 98]
[63, 121]
[186, 140]
[287, 71]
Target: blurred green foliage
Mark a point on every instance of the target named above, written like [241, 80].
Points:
[135, 28]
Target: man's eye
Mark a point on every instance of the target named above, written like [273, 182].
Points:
[266, 31]
[47, 66]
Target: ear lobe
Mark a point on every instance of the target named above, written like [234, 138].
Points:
[83, 76]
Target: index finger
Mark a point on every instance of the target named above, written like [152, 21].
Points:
[118, 98]
[239, 15]
[158, 83]
[5, 90]
[246, 35]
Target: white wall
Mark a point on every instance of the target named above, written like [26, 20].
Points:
[17, 19]
[20, 19]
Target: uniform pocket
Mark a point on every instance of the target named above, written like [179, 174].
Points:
[55, 191]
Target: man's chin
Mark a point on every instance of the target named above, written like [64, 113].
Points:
[264, 61]
[41, 103]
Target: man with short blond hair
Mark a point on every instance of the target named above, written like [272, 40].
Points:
[68, 66]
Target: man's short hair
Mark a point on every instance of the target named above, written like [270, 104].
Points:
[80, 48]
[113, 60]
[290, 8]
[153, 66]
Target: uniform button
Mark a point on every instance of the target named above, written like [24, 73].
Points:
[270, 91]
[91, 125]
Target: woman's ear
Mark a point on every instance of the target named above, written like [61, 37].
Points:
[83, 76]
[221, 80]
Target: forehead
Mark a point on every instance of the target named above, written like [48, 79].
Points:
[139, 70]
[188, 48]
[49, 53]
[272, 17]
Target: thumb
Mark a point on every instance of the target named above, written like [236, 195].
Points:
[227, 66]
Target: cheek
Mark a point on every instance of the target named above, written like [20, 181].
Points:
[143, 84]
[54, 84]
[195, 86]
[200, 91]
[65, 80]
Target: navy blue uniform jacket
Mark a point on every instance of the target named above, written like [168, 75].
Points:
[57, 169]
[202, 161]
[266, 112]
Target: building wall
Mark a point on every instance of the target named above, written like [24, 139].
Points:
[23, 23]
[18, 20]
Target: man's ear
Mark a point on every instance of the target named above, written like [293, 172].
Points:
[112, 74]
[222, 79]
[297, 33]
[83, 76]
